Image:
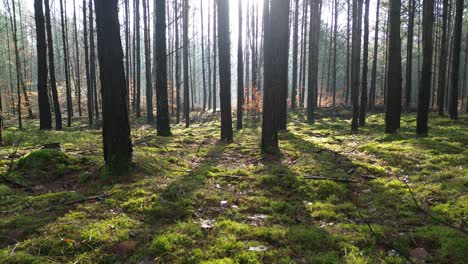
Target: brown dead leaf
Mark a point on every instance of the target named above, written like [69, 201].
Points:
[125, 248]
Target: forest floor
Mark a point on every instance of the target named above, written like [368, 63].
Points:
[190, 199]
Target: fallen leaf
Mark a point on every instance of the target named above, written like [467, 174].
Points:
[125, 248]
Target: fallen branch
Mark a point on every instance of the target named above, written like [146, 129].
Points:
[419, 207]
[321, 178]
[84, 200]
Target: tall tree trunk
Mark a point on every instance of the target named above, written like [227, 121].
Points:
[77, 54]
[215, 48]
[365, 59]
[53, 82]
[160, 65]
[138, 58]
[127, 49]
[116, 126]
[374, 59]
[24, 73]
[66, 65]
[45, 117]
[208, 45]
[356, 62]
[314, 38]
[89, 90]
[295, 52]
[409, 53]
[457, 31]
[148, 82]
[393, 103]
[276, 68]
[348, 55]
[425, 84]
[177, 58]
[186, 64]
[224, 41]
[203, 55]
[335, 33]
[240, 73]
[92, 61]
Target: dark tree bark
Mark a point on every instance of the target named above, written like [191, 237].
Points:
[409, 53]
[457, 32]
[365, 59]
[295, 52]
[116, 127]
[240, 73]
[348, 48]
[53, 82]
[393, 102]
[89, 88]
[276, 67]
[335, 33]
[425, 84]
[148, 82]
[127, 49]
[77, 54]
[92, 61]
[186, 64]
[356, 62]
[66, 65]
[161, 69]
[314, 38]
[177, 62]
[215, 49]
[138, 59]
[224, 41]
[203, 55]
[45, 116]
[374, 59]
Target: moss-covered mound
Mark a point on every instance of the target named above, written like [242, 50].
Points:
[45, 164]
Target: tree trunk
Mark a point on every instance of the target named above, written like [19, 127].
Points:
[45, 117]
[177, 62]
[53, 82]
[92, 60]
[425, 84]
[215, 14]
[348, 37]
[276, 67]
[295, 52]
[457, 31]
[335, 33]
[148, 82]
[409, 53]
[116, 127]
[374, 59]
[138, 58]
[160, 65]
[393, 102]
[66, 66]
[77, 54]
[89, 90]
[356, 62]
[240, 73]
[203, 55]
[365, 59]
[224, 41]
[186, 65]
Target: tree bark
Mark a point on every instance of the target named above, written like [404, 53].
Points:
[89, 88]
[163, 121]
[148, 82]
[45, 116]
[66, 66]
[425, 84]
[116, 127]
[53, 82]
[276, 67]
[215, 49]
[457, 31]
[356, 62]
[374, 59]
[295, 52]
[409, 53]
[240, 73]
[393, 102]
[225, 70]
[77, 54]
[203, 55]
[186, 65]
[365, 59]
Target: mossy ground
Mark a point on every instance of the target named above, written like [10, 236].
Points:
[191, 199]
